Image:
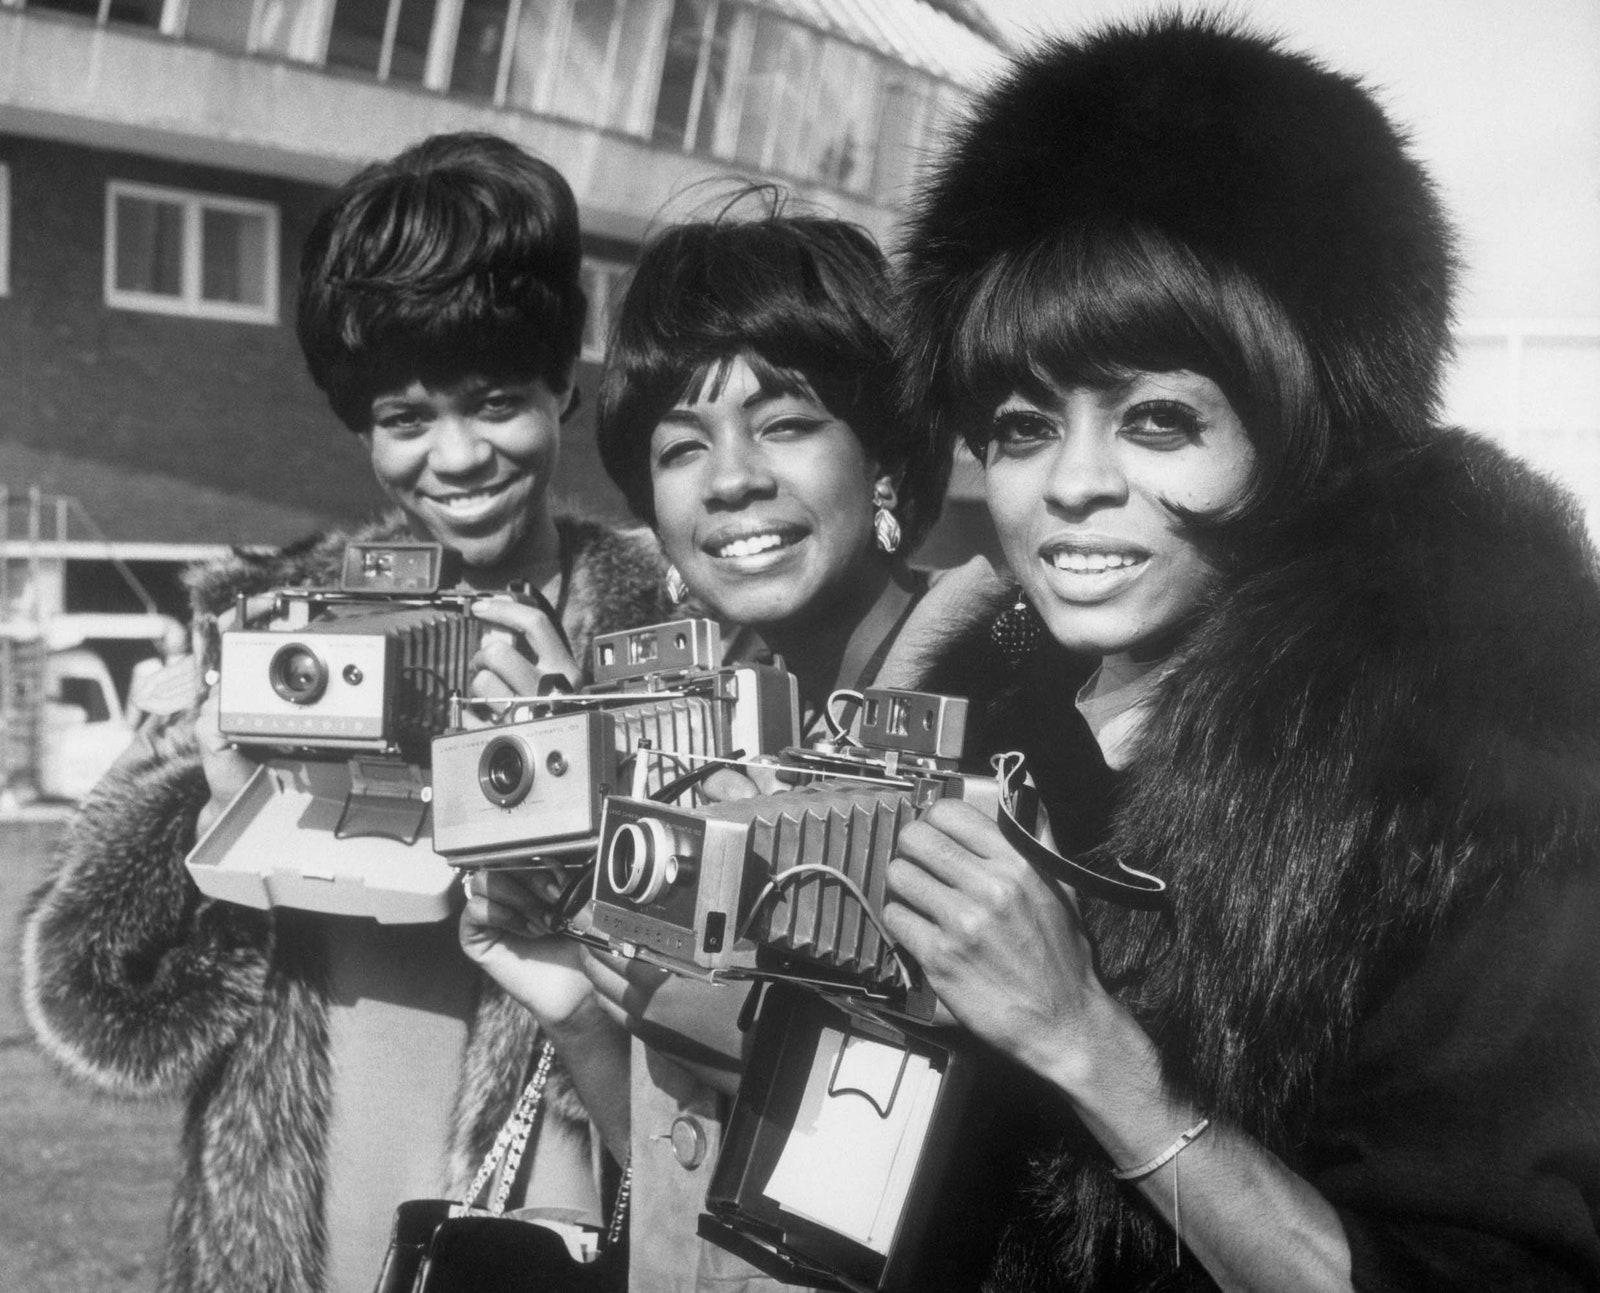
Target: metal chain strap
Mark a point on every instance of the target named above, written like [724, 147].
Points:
[512, 1142]
[513, 1137]
[619, 1210]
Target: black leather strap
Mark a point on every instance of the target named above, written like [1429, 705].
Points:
[1129, 889]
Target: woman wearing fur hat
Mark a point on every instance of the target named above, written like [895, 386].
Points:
[333, 1066]
[1187, 297]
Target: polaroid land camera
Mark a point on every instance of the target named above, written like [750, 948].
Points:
[532, 786]
[345, 687]
[790, 886]
[368, 666]
[848, 1150]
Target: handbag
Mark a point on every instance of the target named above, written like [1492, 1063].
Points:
[446, 1246]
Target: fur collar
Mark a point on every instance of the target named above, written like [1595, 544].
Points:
[1390, 719]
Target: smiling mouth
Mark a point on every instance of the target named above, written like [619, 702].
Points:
[1081, 562]
[753, 545]
[469, 501]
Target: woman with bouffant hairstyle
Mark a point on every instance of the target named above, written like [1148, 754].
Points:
[1187, 296]
[333, 1066]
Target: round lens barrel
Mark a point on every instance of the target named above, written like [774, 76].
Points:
[298, 674]
[639, 859]
[505, 772]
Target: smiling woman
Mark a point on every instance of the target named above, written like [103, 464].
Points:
[440, 310]
[746, 412]
[1186, 293]
[765, 500]
[1087, 487]
[470, 464]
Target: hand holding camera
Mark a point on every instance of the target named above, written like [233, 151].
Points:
[503, 929]
[1000, 942]
[227, 768]
[528, 659]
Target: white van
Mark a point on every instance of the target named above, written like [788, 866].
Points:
[85, 724]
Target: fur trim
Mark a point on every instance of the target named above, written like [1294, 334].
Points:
[960, 605]
[138, 985]
[130, 980]
[1249, 154]
[1391, 723]
[249, 1208]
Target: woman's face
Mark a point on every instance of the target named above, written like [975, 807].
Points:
[1076, 484]
[470, 463]
[763, 500]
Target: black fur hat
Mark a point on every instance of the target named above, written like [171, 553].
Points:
[1251, 156]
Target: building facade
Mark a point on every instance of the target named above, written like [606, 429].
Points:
[161, 161]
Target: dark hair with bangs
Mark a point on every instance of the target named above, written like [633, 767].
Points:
[804, 299]
[460, 255]
[1091, 305]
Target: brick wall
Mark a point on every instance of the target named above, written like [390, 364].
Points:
[226, 405]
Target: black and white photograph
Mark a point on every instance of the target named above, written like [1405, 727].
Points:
[799, 646]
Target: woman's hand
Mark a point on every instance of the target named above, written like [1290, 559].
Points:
[757, 777]
[226, 768]
[1001, 945]
[501, 667]
[504, 929]
[696, 1023]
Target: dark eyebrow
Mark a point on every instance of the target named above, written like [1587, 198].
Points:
[682, 415]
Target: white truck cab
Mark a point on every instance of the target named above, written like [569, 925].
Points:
[85, 724]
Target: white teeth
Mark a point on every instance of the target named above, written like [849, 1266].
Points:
[750, 546]
[465, 502]
[1092, 562]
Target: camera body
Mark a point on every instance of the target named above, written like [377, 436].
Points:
[533, 785]
[369, 666]
[789, 885]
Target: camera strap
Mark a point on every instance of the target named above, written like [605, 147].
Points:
[512, 1142]
[1136, 889]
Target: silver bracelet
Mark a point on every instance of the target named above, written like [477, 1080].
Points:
[1165, 1156]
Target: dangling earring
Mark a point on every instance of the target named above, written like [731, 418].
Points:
[677, 590]
[1016, 631]
[885, 524]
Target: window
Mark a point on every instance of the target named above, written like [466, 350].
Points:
[139, 13]
[222, 23]
[5, 230]
[480, 48]
[908, 100]
[389, 38]
[174, 252]
[604, 282]
[594, 61]
[777, 94]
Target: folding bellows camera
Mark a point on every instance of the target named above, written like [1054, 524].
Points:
[661, 704]
[370, 665]
[343, 689]
[789, 885]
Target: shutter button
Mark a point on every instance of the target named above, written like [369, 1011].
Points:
[688, 1141]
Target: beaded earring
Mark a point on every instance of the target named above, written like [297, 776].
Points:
[1016, 631]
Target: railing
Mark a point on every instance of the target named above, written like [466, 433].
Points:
[32, 523]
[21, 645]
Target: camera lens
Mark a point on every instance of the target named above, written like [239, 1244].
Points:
[505, 772]
[297, 674]
[506, 769]
[639, 860]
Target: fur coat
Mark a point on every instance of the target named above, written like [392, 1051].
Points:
[1372, 782]
[140, 986]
